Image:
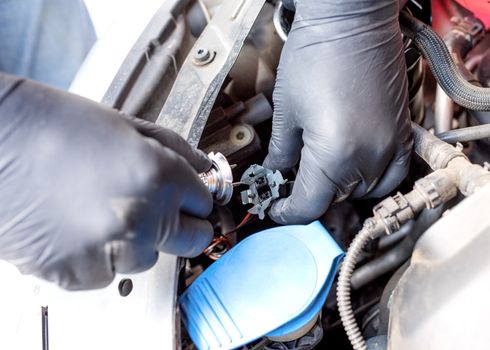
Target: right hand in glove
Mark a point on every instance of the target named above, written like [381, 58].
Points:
[340, 105]
[87, 192]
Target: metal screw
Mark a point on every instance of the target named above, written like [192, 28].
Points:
[203, 56]
[125, 287]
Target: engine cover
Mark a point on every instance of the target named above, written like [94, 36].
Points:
[442, 300]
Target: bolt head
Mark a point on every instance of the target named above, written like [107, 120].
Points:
[202, 54]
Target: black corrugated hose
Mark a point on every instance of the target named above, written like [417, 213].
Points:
[443, 67]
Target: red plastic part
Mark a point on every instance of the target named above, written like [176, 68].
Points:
[480, 8]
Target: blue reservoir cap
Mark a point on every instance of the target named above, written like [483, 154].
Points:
[274, 282]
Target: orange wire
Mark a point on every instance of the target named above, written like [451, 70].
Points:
[223, 239]
[243, 222]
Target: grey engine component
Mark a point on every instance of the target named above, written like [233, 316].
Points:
[442, 298]
[452, 171]
[263, 188]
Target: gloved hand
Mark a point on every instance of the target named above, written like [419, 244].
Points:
[86, 192]
[340, 102]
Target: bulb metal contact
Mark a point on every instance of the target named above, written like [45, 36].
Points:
[219, 179]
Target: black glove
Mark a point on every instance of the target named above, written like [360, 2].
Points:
[341, 103]
[86, 192]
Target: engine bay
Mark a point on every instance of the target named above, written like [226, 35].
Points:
[223, 73]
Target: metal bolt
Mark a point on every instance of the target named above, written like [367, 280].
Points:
[125, 287]
[203, 56]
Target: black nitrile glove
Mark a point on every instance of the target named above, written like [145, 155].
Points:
[86, 192]
[341, 104]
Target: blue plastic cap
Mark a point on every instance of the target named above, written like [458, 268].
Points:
[272, 283]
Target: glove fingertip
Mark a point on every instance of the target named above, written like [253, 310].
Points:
[274, 161]
[168, 138]
[201, 235]
[129, 257]
[204, 241]
[284, 150]
[200, 161]
[276, 211]
[288, 211]
[190, 239]
[269, 163]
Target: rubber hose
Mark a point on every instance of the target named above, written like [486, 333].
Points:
[397, 255]
[460, 40]
[471, 133]
[368, 232]
[436, 153]
[480, 117]
[443, 67]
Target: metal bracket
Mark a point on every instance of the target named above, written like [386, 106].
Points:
[194, 92]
